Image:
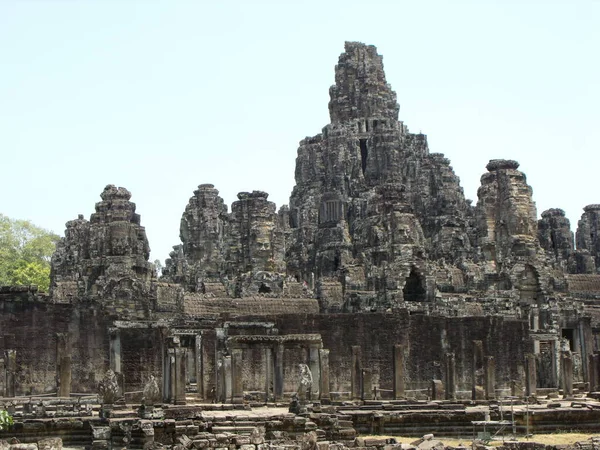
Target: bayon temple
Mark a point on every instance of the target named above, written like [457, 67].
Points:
[380, 279]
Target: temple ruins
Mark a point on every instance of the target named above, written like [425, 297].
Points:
[380, 281]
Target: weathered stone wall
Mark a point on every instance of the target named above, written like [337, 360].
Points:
[31, 329]
[141, 356]
[427, 339]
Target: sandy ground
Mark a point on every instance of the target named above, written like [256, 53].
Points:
[558, 438]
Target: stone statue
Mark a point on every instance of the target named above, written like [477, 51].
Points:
[108, 388]
[151, 391]
[306, 380]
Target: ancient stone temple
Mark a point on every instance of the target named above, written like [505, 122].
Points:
[378, 278]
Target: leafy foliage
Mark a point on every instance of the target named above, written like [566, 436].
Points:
[5, 420]
[159, 267]
[25, 252]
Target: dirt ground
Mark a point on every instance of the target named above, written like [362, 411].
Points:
[558, 438]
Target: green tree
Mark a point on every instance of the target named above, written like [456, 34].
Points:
[25, 252]
[159, 267]
[5, 420]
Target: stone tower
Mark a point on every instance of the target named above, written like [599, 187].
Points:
[556, 237]
[365, 167]
[239, 253]
[106, 257]
[588, 241]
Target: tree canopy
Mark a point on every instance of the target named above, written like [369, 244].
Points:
[25, 252]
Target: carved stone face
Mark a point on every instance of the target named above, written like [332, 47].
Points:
[261, 248]
[119, 241]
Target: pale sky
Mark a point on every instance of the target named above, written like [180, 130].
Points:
[159, 96]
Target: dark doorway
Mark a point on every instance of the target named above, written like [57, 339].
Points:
[414, 289]
[364, 153]
[264, 289]
[569, 335]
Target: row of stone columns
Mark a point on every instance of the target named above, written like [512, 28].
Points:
[231, 373]
[484, 375]
[361, 379]
[566, 373]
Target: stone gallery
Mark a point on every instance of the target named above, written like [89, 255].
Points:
[379, 282]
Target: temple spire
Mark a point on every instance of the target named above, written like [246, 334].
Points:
[360, 89]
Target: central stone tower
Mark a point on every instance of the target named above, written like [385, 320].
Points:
[370, 201]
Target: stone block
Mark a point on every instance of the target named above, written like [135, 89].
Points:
[50, 444]
[242, 440]
[23, 447]
[100, 444]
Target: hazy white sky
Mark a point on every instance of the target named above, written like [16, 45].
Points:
[160, 96]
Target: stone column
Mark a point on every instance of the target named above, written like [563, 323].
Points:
[115, 350]
[450, 376]
[278, 381]
[237, 383]
[115, 357]
[10, 362]
[172, 374]
[220, 378]
[367, 384]
[594, 369]
[324, 395]
[313, 364]
[567, 373]
[437, 390]
[477, 370]
[269, 374]
[63, 364]
[556, 364]
[489, 375]
[2, 373]
[398, 371]
[535, 325]
[227, 388]
[530, 375]
[355, 375]
[177, 375]
[199, 365]
[166, 373]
